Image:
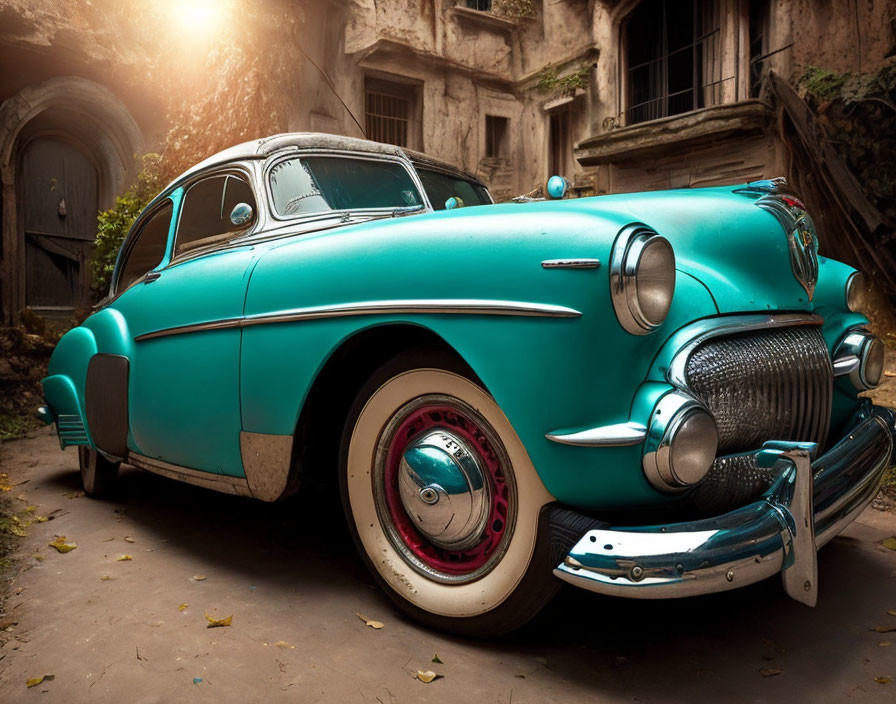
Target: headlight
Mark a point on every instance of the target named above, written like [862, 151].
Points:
[642, 279]
[861, 355]
[681, 443]
[855, 285]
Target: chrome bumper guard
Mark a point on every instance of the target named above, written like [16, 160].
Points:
[809, 503]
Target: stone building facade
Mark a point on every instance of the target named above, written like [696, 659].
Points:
[616, 95]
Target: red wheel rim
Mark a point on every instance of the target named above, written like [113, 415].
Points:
[443, 416]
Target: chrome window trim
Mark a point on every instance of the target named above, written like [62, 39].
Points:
[148, 214]
[239, 168]
[709, 328]
[366, 156]
[459, 306]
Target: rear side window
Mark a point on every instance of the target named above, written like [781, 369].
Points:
[147, 249]
[440, 187]
[205, 213]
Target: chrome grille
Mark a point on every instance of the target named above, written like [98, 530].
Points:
[763, 385]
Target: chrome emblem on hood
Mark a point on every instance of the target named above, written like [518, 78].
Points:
[802, 239]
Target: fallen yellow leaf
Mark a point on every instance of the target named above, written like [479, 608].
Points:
[882, 680]
[30, 509]
[129, 539]
[182, 606]
[283, 644]
[884, 629]
[373, 624]
[123, 558]
[61, 545]
[770, 671]
[892, 612]
[884, 644]
[40, 519]
[38, 557]
[34, 681]
[6, 487]
[106, 578]
[199, 577]
[217, 622]
[889, 543]
[19, 531]
[427, 676]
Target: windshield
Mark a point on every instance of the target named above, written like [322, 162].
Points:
[318, 184]
[441, 186]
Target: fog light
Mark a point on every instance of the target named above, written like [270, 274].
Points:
[681, 444]
[867, 353]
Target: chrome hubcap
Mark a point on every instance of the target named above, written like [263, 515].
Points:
[444, 490]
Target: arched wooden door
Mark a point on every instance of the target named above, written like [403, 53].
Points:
[59, 209]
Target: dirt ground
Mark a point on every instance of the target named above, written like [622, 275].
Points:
[136, 630]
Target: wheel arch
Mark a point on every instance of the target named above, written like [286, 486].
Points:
[318, 429]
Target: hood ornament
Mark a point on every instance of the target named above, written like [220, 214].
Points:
[802, 238]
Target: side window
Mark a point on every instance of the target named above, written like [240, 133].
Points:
[147, 249]
[205, 213]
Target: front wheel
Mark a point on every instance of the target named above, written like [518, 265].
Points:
[98, 474]
[443, 501]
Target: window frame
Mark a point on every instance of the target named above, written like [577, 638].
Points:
[137, 229]
[341, 215]
[733, 53]
[401, 87]
[235, 169]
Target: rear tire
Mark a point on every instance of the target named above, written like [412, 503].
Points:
[501, 575]
[98, 475]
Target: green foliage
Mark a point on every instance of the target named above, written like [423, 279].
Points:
[822, 83]
[514, 9]
[14, 426]
[550, 81]
[113, 224]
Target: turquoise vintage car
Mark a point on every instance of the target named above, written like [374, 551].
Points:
[498, 389]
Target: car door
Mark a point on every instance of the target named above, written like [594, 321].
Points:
[184, 379]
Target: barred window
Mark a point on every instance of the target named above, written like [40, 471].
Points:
[496, 137]
[674, 62]
[393, 111]
[481, 5]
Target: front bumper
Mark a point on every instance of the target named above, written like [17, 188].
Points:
[807, 506]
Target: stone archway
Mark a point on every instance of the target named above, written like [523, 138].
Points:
[90, 126]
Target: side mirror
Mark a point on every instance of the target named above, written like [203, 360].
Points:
[241, 214]
[454, 202]
[556, 187]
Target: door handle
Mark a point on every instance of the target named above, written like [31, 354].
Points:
[151, 276]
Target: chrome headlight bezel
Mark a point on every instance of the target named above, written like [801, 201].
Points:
[855, 284]
[861, 355]
[627, 291]
[668, 422]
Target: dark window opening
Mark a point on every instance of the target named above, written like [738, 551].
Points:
[674, 61]
[497, 132]
[205, 214]
[390, 112]
[759, 48]
[440, 187]
[481, 5]
[146, 249]
[559, 145]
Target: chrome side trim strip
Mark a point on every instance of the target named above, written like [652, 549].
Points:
[618, 435]
[219, 482]
[448, 306]
[570, 263]
[716, 327]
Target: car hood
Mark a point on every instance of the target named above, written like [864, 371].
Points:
[737, 250]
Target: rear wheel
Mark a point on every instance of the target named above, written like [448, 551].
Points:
[98, 474]
[442, 499]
